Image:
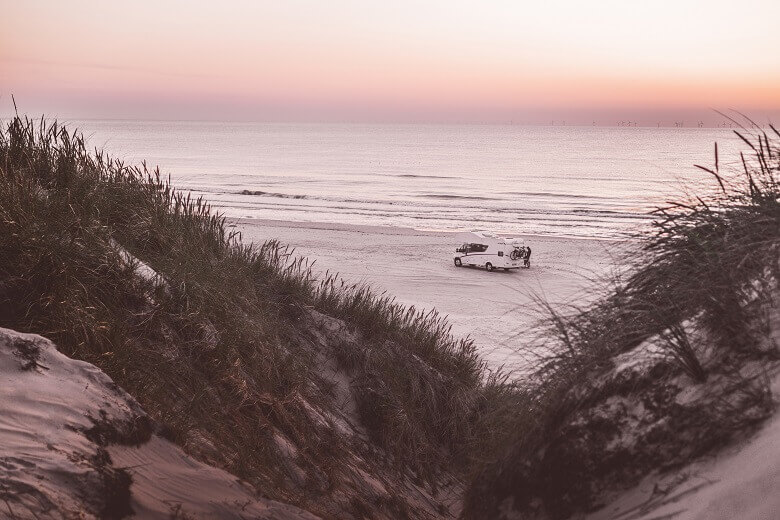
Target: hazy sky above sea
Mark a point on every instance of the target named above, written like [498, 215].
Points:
[455, 59]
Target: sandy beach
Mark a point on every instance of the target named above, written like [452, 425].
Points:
[496, 309]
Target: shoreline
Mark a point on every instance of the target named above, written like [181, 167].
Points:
[497, 310]
[398, 230]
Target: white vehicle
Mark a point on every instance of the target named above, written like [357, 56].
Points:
[488, 250]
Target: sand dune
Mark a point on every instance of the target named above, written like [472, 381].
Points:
[74, 445]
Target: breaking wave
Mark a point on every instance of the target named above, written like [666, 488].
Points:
[258, 193]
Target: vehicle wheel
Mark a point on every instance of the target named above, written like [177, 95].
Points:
[458, 263]
[489, 266]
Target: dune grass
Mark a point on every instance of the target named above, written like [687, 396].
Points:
[710, 263]
[121, 270]
[710, 254]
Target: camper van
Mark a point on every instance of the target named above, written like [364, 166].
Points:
[488, 250]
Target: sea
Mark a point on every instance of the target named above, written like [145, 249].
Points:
[557, 180]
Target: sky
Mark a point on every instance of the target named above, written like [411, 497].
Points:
[458, 59]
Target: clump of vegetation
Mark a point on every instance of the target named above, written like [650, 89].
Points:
[698, 288]
[209, 334]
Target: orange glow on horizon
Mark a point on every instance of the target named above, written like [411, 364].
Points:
[444, 56]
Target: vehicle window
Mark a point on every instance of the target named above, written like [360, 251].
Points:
[478, 248]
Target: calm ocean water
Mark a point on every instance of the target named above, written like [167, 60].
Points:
[572, 181]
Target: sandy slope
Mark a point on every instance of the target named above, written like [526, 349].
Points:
[74, 445]
[493, 308]
[742, 483]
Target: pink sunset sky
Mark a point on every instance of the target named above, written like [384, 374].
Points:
[343, 59]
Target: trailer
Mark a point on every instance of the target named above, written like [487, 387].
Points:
[488, 250]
